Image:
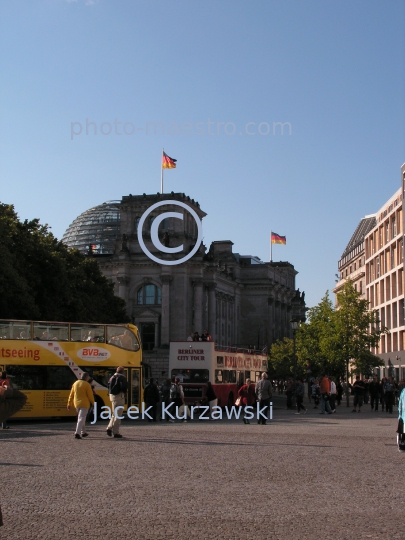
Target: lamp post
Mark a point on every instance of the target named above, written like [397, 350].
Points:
[390, 368]
[295, 322]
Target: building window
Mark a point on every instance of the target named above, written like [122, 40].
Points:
[137, 220]
[148, 336]
[149, 295]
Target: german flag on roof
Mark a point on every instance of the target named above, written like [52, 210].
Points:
[277, 239]
[168, 162]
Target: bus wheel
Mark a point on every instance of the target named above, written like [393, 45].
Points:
[230, 401]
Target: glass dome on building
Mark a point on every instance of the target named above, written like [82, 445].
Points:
[95, 230]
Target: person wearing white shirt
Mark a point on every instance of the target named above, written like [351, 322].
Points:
[332, 395]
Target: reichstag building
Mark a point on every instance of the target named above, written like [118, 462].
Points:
[241, 300]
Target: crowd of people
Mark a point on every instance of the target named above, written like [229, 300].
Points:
[327, 392]
[195, 336]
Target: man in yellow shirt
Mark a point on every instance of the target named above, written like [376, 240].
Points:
[81, 397]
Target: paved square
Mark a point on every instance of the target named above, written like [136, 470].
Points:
[299, 477]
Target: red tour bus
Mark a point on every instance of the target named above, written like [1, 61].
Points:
[197, 362]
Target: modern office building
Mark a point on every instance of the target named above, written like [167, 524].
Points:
[241, 300]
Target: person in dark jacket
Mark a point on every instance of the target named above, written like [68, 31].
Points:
[117, 400]
[389, 393]
[211, 397]
[11, 401]
[151, 397]
[289, 392]
[299, 395]
[374, 388]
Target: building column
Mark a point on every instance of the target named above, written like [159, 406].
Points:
[212, 311]
[198, 305]
[156, 335]
[165, 329]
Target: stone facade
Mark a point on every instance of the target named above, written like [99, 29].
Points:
[374, 261]
[239, 299]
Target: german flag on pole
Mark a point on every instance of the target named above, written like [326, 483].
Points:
[168, 162]
[277, 239]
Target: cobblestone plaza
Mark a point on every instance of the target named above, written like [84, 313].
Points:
[299, 477]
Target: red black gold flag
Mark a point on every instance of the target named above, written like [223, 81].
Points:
[277, 239]
[168, 162]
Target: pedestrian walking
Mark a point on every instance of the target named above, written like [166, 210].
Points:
[324, 386]
[211, 397]
[117, 389]
[389, 393]
[316, 393]
[333, 392]
[177, 398]
[299, 396]
[359, 388]
[165, 391]
[263, 395]
[81, 397]
[374, 389]
[248, 397]
[152, 397]
[289, 392]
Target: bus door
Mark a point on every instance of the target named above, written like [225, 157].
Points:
[134, 388]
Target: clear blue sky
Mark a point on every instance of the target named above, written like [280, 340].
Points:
[333, 70]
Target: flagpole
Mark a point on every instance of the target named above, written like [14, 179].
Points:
[271, 248]
[161, 173]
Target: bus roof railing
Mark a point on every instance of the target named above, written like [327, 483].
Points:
[236, 349]
[229, 348]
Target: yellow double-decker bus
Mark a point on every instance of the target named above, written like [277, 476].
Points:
[43, 360]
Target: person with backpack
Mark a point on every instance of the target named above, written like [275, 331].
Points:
[176, 397]
[117, 388]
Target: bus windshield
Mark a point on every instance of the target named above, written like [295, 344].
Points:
[191, 375]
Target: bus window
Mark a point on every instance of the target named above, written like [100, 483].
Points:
[122, 337]
[59, 378]
[191, 375]
[218, 376]
[87, 332]
[226, 376]
[15, 330]
[27, 377]
[220, 361]
[247, 376]
[50, 331]
[100, 374]
[257, 376]
[232, 376]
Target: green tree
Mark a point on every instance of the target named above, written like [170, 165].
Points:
[41, 279]
[281, 360]
[357, 330]
[333, 339]
[311, 336]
